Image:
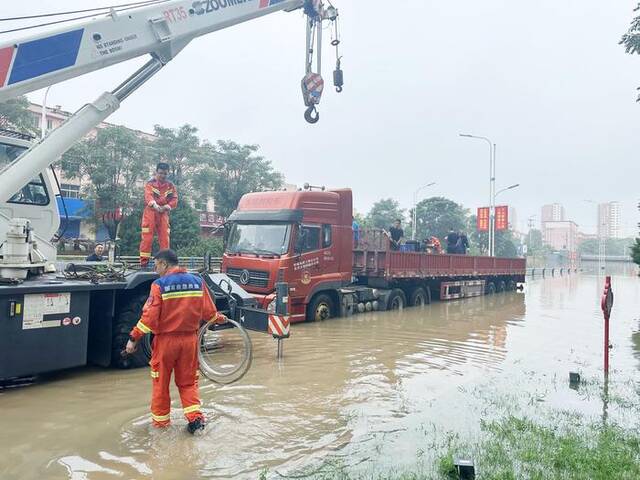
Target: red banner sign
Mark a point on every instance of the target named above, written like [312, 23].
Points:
[502, 217]
[483, 219]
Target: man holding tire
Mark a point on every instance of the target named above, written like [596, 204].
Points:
[177, 303]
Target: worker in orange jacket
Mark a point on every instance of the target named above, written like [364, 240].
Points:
[177, 303]
[160, 197]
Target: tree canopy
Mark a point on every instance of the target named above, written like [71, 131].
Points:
[436, 216]
[15, 115]
[631, 39]
[383, 213]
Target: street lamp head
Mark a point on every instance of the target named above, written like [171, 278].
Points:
[465, 135]
[515, 185]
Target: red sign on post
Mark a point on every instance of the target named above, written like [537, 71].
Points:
[483, 219]
[502, 217]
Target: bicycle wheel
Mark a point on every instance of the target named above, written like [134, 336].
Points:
[225, 351]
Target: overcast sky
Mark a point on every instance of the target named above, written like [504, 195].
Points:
[545, 80]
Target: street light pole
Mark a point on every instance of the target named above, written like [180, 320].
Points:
[415, 209]
[43, 121]
[493, 224]
[492, 179]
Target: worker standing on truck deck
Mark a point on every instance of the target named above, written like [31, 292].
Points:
[452, 242]
[96, 256]
[177, 303]
[160, 197]
[396, 234]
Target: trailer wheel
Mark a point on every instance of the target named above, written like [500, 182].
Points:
[125, 320]
[397, 300]
[511, 285]
[321, 308]
[502, 286]
[490, 289]
[419, 297]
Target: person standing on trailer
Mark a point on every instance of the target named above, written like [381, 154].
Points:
[452, 242]
[160, 197]
[177, 303]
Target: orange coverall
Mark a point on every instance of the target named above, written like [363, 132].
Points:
[155, 192]
[178, 301]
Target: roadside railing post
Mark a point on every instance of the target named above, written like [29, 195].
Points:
[606, 303]
[279, 323]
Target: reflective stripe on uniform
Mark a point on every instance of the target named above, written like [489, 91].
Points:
[145, 229]
[155, 190]
[145, 254]
[143, 328]
[155, 374]
[170, 295]
[168, 192]
[191, 409]
[161, 418]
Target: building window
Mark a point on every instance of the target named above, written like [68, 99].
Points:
[68, 190]
[35, 120]
[49, 124]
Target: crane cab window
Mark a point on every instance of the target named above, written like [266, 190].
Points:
[33, 193]
[308, 238]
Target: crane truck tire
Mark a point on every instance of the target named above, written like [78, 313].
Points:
[502, 286]
[321, 308]
[490, 288]
[419, 297]
[397, 300]
[126, 318]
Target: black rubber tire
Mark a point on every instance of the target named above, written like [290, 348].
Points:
[397, 300]
[125, 320]
[321, 308]
[511, 286]
[419, 297]
[490, 289]
[502, 286]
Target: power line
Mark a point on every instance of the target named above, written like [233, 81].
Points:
[66, 20]
[73, 12]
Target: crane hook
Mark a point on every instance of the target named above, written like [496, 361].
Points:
[309, 114]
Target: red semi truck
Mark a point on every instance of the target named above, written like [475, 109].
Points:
[306, 239]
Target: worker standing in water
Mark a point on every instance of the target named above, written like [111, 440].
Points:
[160, 197]
[177, 303]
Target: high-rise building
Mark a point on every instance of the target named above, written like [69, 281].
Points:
[609, 225]
[552, 213]
[561, 235]
[513, 219]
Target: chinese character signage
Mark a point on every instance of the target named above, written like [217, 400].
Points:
[483, 219]
[502, 217]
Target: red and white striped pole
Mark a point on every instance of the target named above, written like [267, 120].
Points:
[606, 303]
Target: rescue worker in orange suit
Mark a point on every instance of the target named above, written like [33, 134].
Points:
[177, 303]
[160, 197]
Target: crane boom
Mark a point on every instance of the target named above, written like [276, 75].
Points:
[162, 30]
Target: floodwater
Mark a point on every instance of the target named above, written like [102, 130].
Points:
[367, 391]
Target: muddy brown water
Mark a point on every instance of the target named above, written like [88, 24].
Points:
[369, 392]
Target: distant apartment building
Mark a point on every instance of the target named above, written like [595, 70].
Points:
[609, 224]
[552, 213]
[561, 235]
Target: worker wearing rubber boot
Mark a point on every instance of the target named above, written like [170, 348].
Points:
[160, 197]
[177, 303]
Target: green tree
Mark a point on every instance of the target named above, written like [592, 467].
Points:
[631, 39]
[383, 213]
[233, 170]
[15, 115]
[115, 161]
[436, 216]
[613, 246]
[180, 148]
[635, 251]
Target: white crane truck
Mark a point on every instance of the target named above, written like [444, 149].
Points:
[51, 322]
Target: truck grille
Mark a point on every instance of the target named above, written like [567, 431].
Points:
[257, 278]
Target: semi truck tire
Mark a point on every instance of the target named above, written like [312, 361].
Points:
[502, 286]
[490, 289]
[419, 297]
[321, 308]
[511, 285]
[125, 320]
[397, 300]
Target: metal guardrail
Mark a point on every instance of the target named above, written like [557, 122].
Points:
[191, 263]
[551, 271]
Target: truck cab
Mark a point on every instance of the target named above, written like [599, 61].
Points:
[36, 201]
[304, 238]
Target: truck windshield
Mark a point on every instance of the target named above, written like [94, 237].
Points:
[260, 238]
